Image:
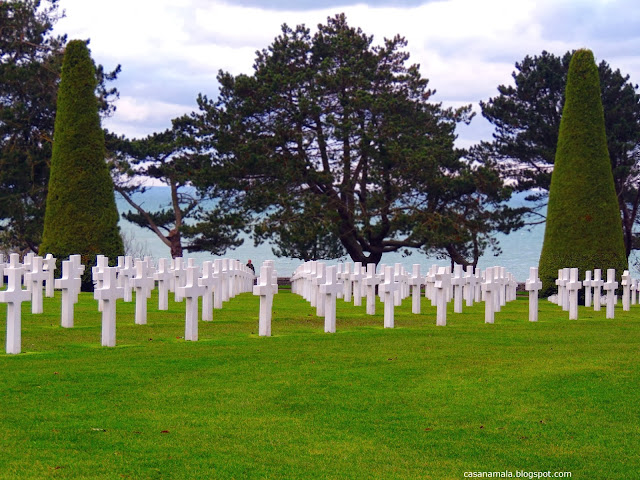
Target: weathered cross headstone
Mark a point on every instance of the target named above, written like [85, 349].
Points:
[533, 285]
[13, 296]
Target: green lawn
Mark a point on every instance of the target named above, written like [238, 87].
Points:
[417, 401]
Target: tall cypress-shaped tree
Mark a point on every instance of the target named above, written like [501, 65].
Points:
[81, 215]
[583, 228]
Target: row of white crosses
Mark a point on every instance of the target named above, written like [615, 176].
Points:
[320, 289]
[38, 273]
[221, 280]
[569, 284]
[216, 282]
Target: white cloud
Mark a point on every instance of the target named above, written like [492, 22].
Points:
[171, 50]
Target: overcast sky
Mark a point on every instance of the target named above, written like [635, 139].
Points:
[171, 50]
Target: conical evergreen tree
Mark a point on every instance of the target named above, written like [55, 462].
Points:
[583, 227]
[81, 215]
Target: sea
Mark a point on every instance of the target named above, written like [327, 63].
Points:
[520, 250]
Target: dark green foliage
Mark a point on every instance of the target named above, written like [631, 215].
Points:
[182, 224]
[81, 215]
[30, 62]
[335, 142]
[583, 219]
[526, 117]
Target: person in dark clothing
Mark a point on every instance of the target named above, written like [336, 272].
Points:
[250, 265]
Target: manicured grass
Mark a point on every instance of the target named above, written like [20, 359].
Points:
[417, 401]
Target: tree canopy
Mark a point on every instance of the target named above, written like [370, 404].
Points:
[583, 227]
[526, 117]
[334, 146]
[169, 158]
[30, 62]
[81, 215]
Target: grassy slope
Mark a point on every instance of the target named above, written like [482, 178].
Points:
[418, 401]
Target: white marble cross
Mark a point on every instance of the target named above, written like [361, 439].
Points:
[356, 278]
[49, 264]
[70, 285]
[626, 291]
[143, 283]
[533, 285]
[401, 278]
[329, 290]
[163, 276]
[109, 294]
[345, 276]
[313, 288]
[224, 280]
[457, 281]
[572, 287]
[97, 274]
[490, 289]
[597, 284]
[634, 291]
[217, 287]
[13, 296]
[561, 282]
[265, 289]
[416, 281]
[470, 281]
[586, 283]
[442, 286]
[209, 281]
[34, 281]
[370, 282]
[319, 279]
[178, 271]
[126, 273]
[191, 291]
[430, 279]
[610, 287]
[387, 289]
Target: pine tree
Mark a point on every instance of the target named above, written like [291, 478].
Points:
[583, 227]
[81, 215]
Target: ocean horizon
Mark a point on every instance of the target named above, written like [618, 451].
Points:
[520, 249]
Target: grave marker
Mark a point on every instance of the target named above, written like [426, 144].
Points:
[109, 294]
[13, 296]
[191, 291]
[533, 285]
